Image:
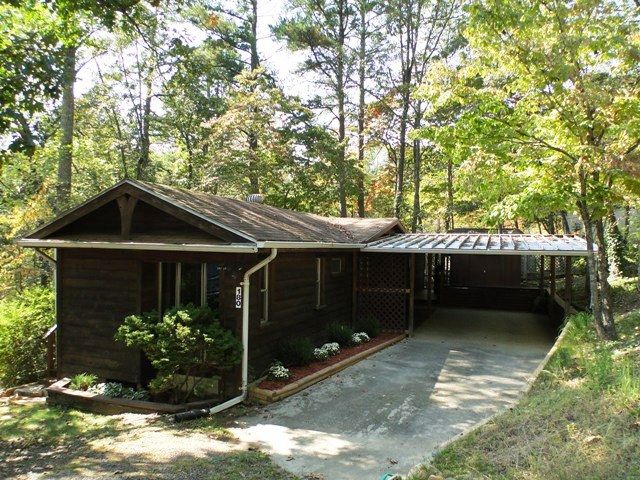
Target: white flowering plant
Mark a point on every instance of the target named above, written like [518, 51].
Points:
[332, 348]
[320, 354]
[359, 338]
[277, 371]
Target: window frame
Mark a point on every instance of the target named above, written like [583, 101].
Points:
[340, 261]
[177, 286]
[320, 283]
[263, 291]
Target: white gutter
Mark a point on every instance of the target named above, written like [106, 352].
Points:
[305, 245]
[245, 333]
[172, 247]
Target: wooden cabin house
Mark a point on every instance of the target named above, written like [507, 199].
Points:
[270, 273]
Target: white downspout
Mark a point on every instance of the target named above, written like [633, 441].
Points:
[245, 333]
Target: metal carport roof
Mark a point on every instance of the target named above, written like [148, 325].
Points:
[481, 244]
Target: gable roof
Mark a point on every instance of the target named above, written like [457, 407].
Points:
[252, 222]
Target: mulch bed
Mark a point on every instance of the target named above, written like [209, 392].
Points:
[300, 372]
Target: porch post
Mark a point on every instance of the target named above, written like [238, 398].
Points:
[552, 277]
[568, 281]
[429, 281]
[412, 288]
[354, 288]
[541, 279]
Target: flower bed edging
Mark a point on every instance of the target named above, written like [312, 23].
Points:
[265, 396]
[58, 394]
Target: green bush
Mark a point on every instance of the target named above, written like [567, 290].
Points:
[24, 319]
[369, 325]
[83, 381]
[340, 333]
[295, 352]
[188, 343]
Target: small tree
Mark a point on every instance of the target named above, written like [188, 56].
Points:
[187, 343]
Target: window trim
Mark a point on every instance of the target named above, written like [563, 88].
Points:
[264, 294]
[320, 286]
[178, 279]
[340, 271]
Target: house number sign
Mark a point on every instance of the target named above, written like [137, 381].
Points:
[238, 297]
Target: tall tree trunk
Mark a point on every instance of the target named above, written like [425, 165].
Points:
[254, 175]
[65, 154]
[145, 140]
[565, 223]
[604, 325]
[404, 120]
[417, 161]
[449, 221]
[615, 244]
[340, 91]
[362, 60]
[603, 282]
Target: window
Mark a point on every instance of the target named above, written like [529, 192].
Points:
[184, 283]
[320, 282]
[336, 266]
[264, 295]
[190, 278]
[212, 282]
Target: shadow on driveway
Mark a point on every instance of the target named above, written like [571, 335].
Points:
[392, 410]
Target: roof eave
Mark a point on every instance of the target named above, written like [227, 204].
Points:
[310, 245]
[173, 247]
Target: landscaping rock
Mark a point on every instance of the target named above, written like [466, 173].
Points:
[31, 390]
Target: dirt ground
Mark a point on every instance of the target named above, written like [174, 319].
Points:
[59, 444]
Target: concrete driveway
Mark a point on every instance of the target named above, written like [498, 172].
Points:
[392, 410]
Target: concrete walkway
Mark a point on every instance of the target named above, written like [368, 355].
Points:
[392, 410]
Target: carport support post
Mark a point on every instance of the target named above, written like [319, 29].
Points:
[541, 273]
[412, 288]
[429, 281]
[552, 277]
[568, 281]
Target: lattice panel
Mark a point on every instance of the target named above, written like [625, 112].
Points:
[383, 289]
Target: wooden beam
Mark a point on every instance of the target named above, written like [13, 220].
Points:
[552, 277]
[412, 288]
[568, 280]
[429, 281]
[354, 288]
[126, 204]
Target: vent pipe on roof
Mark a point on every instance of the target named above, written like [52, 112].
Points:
[255, 198]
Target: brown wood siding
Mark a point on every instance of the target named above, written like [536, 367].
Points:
[96, 293]
[292, 303]
[485, 270]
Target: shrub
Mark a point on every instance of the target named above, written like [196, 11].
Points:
[278, 372]
[360, 337]
[369, 325]
[340, 333]
[117, 390]
[187, 341]
[320, 354]
[83, 381]
[24, 318]
[295, 352]
[331, 348]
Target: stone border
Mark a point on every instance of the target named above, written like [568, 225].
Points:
[264, 396]
[58, 394]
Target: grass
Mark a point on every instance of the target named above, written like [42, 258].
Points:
[581, 420]
[72, 443]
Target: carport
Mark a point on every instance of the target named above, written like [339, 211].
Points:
[403, 278]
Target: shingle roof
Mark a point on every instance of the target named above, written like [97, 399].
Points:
[267, 223]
